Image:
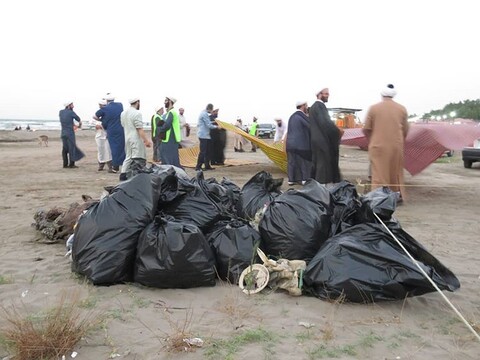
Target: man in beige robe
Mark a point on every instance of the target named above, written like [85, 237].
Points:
[386, 128]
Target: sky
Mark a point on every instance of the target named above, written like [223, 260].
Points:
[248, 58]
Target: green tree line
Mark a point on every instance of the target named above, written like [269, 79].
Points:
[467, 109]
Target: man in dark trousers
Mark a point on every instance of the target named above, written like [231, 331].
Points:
[325, 141]
[204, 126]
[219, 141]
[70, 151]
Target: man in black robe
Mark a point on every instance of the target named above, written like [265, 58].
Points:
[218, 142]
[299, 152]
[325, 141]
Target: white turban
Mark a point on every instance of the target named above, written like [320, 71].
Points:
[300, 103]
[321, 89]
[389, 91]
[133, 100]
[158, 108]
[102, 102]
[109, 97]
[66, 103]
[173, 100]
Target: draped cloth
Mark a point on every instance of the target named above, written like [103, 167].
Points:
[425, 143]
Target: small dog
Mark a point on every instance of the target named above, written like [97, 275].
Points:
[43, 140]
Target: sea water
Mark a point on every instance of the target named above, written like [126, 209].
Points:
[10, 124]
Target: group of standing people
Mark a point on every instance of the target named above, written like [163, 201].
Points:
[313, 142]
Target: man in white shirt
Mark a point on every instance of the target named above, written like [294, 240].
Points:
[280, 131]
[136, 140]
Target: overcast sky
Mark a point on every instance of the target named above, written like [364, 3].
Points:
[246, 57]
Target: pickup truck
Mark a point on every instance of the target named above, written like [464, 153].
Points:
[470, 155]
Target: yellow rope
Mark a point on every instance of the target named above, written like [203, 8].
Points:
[273, 151]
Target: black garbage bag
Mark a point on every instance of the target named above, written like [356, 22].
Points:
[220, 195]
[347, 203]
[193, 206]
[297, 223]
[168, 189]
[106, 235]
[174, 255]
[233, 189]
[234, 243]
[138, 166]
[179, 172]
[381, 201]
[365, 264]
[257, 192]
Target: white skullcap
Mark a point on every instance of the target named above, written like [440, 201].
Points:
[278, 119]
[300, 103]
[66, 103]
[173, 100]
[102, 102]
[321, 89]
[109, 97]
[389, 91]
[158, 107]
[133, 100]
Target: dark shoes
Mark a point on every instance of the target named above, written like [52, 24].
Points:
[209, 168]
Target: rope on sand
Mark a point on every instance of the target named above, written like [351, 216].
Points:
[430, 280]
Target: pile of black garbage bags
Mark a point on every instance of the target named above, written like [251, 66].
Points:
[162, 229]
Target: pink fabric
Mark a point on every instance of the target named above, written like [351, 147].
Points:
[425, 143]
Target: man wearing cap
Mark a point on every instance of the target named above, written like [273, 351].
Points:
[185, 130]
[325, 141]
[299, 153]
[386, 127]
[70, 151]
[104, 154]
[254, 132]
[171, 128]
[110, 117]
[239, 140]
[280, 130]
[136, 140]
[157, 120]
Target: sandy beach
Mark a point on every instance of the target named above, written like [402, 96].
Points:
[441, 213]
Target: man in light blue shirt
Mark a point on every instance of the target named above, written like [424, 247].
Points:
[203, 132]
